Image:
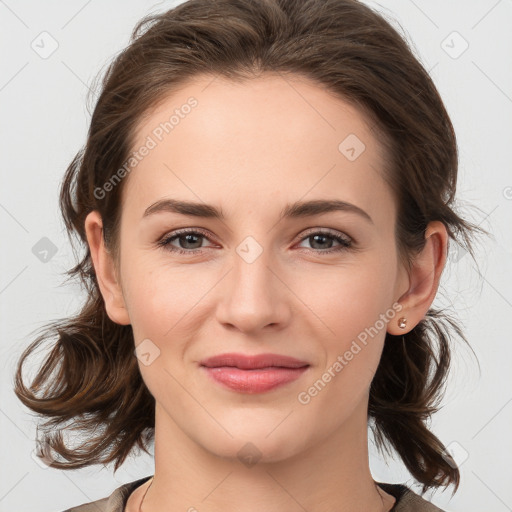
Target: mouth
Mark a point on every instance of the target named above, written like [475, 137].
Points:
[253, 374]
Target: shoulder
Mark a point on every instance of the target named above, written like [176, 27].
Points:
[113, 503]
[96, 506]
[407, 500]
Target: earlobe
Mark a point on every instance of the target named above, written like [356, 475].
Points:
[105, 270]
[424, 278]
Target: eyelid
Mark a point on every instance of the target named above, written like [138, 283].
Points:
[326, 231]
[183, 231]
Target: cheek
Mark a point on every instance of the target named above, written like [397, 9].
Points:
[159, 296]
[355, 306]
[346, 300]
[355, 315]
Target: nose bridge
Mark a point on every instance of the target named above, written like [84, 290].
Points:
[252, 277]
[255, 296]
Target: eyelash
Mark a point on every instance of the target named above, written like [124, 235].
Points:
[345, 242]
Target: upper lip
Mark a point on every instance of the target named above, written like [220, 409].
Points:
[249, 362]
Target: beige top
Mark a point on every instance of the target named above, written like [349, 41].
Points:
[406, 499]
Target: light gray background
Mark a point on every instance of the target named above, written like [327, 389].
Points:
[44, 123]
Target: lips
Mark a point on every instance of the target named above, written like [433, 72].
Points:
[253, 374]
[253, 362]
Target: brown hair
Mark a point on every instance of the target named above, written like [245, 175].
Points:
[91, 376]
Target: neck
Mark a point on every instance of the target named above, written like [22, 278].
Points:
[332, 474]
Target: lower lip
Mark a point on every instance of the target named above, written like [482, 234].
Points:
[254, 381]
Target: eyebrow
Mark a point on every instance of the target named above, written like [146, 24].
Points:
[295, 210]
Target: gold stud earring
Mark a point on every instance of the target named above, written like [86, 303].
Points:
[402, 322]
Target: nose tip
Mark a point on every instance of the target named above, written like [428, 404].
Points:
[253, 297]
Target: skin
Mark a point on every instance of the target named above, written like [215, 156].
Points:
[250, 149]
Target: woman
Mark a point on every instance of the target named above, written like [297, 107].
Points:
[266, 196]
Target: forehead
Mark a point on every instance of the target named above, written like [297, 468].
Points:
[252, 140]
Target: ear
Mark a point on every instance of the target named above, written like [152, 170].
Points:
[424, 277]
[105, 270]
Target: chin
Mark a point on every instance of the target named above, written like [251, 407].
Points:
[251, 444]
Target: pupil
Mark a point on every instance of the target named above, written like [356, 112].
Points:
[189, 238]
[321, 237]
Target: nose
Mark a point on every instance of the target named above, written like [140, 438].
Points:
[254, 296]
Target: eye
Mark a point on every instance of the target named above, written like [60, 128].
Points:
[321, 241]
[190, 241]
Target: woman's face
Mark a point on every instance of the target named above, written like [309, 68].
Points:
[255, 281]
